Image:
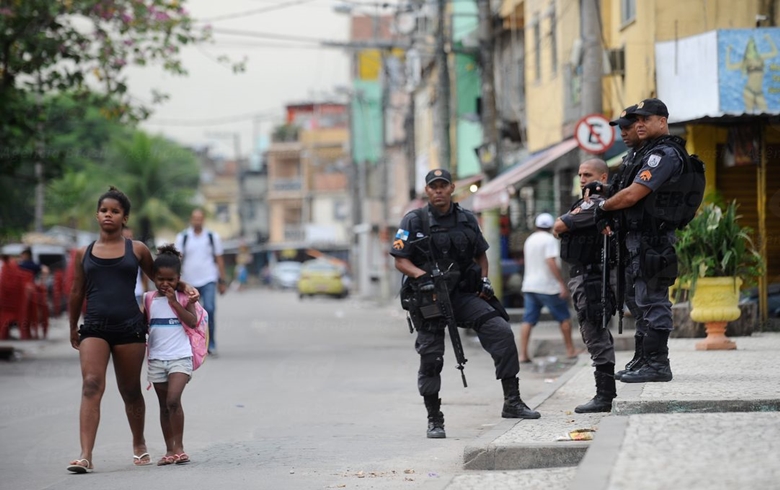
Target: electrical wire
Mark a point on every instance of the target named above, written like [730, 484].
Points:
[247, 13]
[264, 115]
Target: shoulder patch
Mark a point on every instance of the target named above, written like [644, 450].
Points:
[653, 161]
[402, 234]
[586, 204]
[646, 175]
[398, 245]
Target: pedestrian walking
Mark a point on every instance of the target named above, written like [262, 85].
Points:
[450, 235]
[581, 247]
[105, 273]
[170, 353]
[543, 285]
[203, 267]
[140, 282]
[654, 200]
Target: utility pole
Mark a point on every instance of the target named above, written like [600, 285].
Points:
[592, 58]
[443, 89]
[490, 157]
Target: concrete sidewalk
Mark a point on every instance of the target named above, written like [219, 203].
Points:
[716, 425]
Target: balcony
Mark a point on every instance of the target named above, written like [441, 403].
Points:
[287, 185]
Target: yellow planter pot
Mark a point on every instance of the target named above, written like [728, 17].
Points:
[715, 303]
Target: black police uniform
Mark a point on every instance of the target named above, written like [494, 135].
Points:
[455, 241]
[627, 171]
[581, 247]
[652, 263]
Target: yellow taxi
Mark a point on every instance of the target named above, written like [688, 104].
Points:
[322, 277]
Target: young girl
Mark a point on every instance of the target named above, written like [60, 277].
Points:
[105, 273]
[170, 353]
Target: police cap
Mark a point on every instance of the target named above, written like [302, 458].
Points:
[651, 107]
[438, 174]
[626, 118]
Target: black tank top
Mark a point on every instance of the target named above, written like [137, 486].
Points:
[110, 290]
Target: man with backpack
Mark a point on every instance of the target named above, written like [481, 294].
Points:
[203, 267]
[663, 190]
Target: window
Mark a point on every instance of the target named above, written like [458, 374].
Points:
[627, 11]
[537, 51]
[553, 40]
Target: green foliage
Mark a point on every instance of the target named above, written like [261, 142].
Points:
[715, 245]
[160, 178]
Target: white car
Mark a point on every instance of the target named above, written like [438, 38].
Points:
[285, 275]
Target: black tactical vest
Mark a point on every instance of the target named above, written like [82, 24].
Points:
[581, 247]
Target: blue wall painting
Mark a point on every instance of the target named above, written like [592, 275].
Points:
[749, 70]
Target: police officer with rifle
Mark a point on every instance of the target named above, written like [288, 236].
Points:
[626, 172]
[441, 251]
[661, 193]
[587, 251]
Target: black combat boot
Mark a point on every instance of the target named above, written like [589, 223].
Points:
[514, 408]
[637, 361]
[605, 391]
[435, 417]
[656, 368]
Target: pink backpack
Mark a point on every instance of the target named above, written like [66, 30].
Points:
[199, 336]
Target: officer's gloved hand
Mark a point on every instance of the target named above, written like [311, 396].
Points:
[425, 283]
[603, 218]
[594, 187]
[486, 289]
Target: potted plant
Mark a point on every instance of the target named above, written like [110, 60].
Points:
[715, 257]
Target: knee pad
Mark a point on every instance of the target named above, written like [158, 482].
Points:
[431, 365]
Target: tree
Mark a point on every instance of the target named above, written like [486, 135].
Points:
[79, 47]
[159, 177]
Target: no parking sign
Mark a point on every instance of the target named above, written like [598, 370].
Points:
[594, 134]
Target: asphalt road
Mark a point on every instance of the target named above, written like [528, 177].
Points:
[319, 393]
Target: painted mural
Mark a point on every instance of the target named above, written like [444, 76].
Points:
[749, 70]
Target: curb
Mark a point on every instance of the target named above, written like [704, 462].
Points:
[625, 408]
[483, 454]
[595, 469]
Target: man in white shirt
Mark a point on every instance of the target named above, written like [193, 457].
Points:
[543, 285]
[203, 267]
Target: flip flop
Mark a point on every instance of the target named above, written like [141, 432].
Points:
[80, 466]
[181, 458]
[166, 460]
[139, 460]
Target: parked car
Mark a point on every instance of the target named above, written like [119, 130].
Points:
[284, 275]
[322, 277]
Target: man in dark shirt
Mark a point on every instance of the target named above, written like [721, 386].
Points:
[449, 234]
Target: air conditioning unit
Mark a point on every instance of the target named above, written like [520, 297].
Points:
[615, 61]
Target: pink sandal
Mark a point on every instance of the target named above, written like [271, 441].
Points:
[181, 458]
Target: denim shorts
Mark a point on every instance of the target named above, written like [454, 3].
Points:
[533, 302]
[159, 369]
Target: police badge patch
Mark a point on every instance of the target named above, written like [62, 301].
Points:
[653, 161]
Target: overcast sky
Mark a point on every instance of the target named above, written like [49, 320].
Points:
[278, 72]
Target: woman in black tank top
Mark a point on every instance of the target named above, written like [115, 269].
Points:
[104, 275]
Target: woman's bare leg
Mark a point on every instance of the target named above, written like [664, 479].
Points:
[93, 354]
[128, 362]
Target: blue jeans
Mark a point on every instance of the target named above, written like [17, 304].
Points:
[208, 298]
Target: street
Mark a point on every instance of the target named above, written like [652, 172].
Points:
[318, 393]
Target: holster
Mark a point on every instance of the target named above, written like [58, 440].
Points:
[658, 262]
[424, 312]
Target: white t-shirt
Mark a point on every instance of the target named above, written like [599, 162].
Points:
[167, 339]
[538, 278]
[139, 284]
[199, 267]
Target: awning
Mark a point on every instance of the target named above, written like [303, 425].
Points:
[494, 194]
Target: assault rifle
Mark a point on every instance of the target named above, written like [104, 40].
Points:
[605, 308]
[442, 307]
